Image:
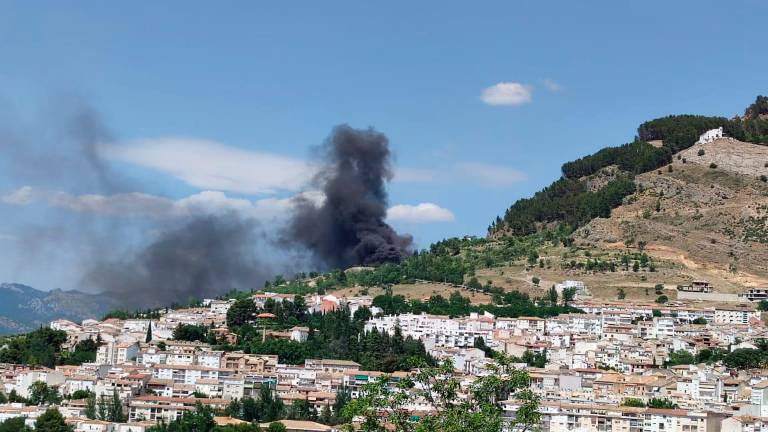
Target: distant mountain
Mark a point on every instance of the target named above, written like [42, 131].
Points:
[24, 308]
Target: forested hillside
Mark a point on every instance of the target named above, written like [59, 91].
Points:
[573, 201]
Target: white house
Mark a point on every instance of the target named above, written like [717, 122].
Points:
[711, 135]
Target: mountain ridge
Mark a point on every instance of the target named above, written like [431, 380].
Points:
[25, 308]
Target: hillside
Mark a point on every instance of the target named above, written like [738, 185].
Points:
[711, 220]
[25, 308]
[699, 210]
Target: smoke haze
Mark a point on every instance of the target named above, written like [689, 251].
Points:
[202, 258]
[159, 261]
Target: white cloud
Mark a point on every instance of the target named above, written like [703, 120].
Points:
[135, 204]
[421, 213]
[215, 166]
[490, 175]
[507, 94]
[552, 85]
[21, 196]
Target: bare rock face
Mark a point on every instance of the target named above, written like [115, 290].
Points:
[709, 212]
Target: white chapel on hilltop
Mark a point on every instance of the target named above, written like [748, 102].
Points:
[711, 135]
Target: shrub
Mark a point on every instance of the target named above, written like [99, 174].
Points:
[701, 152]
[763, 178]
[713, 165]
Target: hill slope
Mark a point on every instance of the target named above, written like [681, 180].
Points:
[25, 308]
[701, 207]
[713, 219]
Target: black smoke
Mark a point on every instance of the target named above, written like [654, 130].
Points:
[202, 258]
[348, 227]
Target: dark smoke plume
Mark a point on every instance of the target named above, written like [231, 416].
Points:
[203, 258]
[154, 262]
[348, 228]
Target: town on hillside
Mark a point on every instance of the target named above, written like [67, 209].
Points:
[650, 367]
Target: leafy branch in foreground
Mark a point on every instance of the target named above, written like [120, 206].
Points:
[383, 404]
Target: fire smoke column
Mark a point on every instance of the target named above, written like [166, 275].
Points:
[348, 227]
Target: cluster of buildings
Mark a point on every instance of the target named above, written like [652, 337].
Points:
[594, 362]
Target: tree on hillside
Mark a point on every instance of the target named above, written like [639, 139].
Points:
[15, 424]
[552, 295]
[568, 295]
[276, 427]
[90, 407]
[52, 421]
[481, 411]
[241, 312]
[148, 339]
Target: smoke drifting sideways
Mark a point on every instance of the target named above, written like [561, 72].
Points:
[155, 262]
[203, 257]
[134, 262]
[348, 228]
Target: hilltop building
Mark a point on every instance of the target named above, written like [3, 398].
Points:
[711, 135]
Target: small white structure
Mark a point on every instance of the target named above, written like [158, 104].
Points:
[581, 289]
[711, 135]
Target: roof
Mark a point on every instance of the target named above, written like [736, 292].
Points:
[301, 425]
[227, 421]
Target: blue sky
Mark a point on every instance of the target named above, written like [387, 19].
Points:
[185, 81]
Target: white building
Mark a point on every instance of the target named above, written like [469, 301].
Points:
[438, 330]
[711, 135]
[735, 315]
[115, 353]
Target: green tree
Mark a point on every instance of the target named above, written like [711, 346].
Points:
[276, 427]
[250, 410]
[474, 283]
[481, 411]
[621, 294]
[115, 410]
[325, 417]
[148, 338]
[102, 408]
[190, 332]
[661, 403]
[52, 421]
[568, 295]
[744, 358]
[241, 312]
[662, 299]
[552, 295]
[633, 402]
[680, 357]
[15, 424]
[300, 410]
[90, 407]
[40, 393]
[343, 396]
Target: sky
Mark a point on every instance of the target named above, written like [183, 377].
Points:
[225, 103]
